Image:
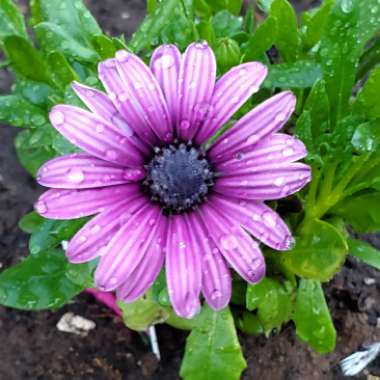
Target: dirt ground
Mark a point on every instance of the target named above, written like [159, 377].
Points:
[32, 348]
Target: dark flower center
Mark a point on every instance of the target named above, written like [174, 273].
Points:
[178, 177]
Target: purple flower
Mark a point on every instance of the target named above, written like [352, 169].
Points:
[159, 195]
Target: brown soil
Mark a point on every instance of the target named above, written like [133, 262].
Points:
[32, 348]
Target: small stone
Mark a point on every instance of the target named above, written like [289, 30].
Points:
[369, 281]
[75, 324]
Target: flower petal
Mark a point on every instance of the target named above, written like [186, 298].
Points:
[73, 204]
[259, 220]
[277, 147]
[144, 94]
[196, 84]
[127, 248]
[118, 93]
[165, 64]
[143, 277]
[265, 119]
[241, 252]
[231, 91]
[216, 278]
[83, 171]
[272, 182]
[183, 268]
[95, 136]
[91, 240]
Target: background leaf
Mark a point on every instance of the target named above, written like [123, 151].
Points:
[364, 252]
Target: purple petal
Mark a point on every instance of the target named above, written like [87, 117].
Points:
[216, 278]
[95, 136]
[148, 269]
[91, 240]
[145, 94]
[240, 251]
[120, 97]
[259, 220]
[127, 248]
[267, 118]
[274, 181]
[82, 171]
[196, 84]
[165, 63]
[277, 147]
[231, 91]
[72, 204]
[183, 268]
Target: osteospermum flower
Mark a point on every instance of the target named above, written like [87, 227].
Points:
[159, 195]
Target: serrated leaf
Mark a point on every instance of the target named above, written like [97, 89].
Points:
[319, 252]
[273, 301]
[300, 74]
[30, 222]
[365, 252]
[361, 211]
[287, 39]
[39, 282]
[212, 350]
[11, 20]
[312, 317]
[52, 233]
[26, 60]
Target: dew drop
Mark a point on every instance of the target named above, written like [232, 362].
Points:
[235, 99]
[182, 245]
[75, 175]
[111, 154]
[280, 117]
[278, 181]
[113, 280]
[269, 219]
[123, 97]
[164, 62]
[242, 72]
[122, 55]
[229, 242]
[216, 294]
[288, 152]
[185, 124]
[152, 221]
[57, 117]
[96, 228]
[99, 128]
[82, 239]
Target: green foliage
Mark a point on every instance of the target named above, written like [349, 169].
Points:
[11, 20]
[212, 349]
[365, 252]
[312, 317]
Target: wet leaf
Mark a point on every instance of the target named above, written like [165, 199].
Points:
[312, 317]
[364, 252]
[11, 20]
[212, 349]
[39, 282]
[30, 222]
[225, 24]
[249, 324]
[62, 72]
[319, 252]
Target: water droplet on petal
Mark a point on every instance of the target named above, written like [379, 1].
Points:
[99, 128]
[216, 294]
[111, 154]
[229, 242]
[280, 117]
[82, 239]
[182, 245]
[57, 117]
[288, 152]
[269, 219]
[185, 124]
[164, 62]
[113, 280]
[75, 175]
[96, 228]
[123, 97]
[279, 181]
[122, 55]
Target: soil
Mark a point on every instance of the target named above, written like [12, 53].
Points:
[33, 348]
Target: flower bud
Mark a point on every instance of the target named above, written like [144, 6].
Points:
[227, 53]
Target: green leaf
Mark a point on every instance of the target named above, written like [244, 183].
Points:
[62, 72]
[30, 222]
[36, 93]
[26, 60]
[63, 146]
[206, 31]
[312, 317]
[349, 27]
[366, 137]
[273, 300]
[52, 232]
[153, 25]
[212, 350]
[249, 324]
[82, 274]
[249, 20]
[11, 20]
[313, 28]
[304, 130]
[319, 253]
[287, 39]
[225, 24]
[33, 154]
[104, 46]
[367, 102]
[70, 15]
[361, 211]
[364, 252]
[16, 111]
[300, 74]
[55, 38]
[264, 5]
[261, 41]
[39, 282]
[142, 313]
